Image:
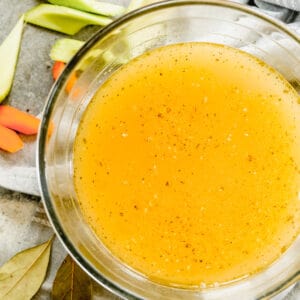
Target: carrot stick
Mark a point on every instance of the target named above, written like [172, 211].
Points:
[57, 69]
[50, 129]
[9, 140]
[71, 81]
[18, 120]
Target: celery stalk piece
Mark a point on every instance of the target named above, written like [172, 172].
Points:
[9, 52]
[64, 49]
[93, 6]
[63, 19]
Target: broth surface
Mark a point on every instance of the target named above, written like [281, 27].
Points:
[186, 164]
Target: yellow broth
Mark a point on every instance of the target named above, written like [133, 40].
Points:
[186, 164]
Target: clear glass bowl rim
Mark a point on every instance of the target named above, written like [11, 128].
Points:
[51, 100]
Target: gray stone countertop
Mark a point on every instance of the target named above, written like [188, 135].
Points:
[22, 220]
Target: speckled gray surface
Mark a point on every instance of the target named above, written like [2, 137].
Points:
[22, 222]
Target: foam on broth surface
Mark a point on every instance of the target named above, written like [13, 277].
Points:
[186, 164]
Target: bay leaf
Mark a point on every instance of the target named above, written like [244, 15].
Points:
[71, 282]
[22, 276]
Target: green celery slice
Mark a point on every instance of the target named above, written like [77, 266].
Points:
[93, 6]
[64, 49]
[9, 52]
[63, 19]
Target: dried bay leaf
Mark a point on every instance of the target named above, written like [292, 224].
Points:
[22, 276]
[71, 282]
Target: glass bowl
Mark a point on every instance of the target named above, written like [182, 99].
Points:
[153, 26]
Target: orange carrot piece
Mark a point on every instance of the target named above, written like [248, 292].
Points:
[9, 140]
[57, 69]
[50, 129]
[71, 81]
[18, 120]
